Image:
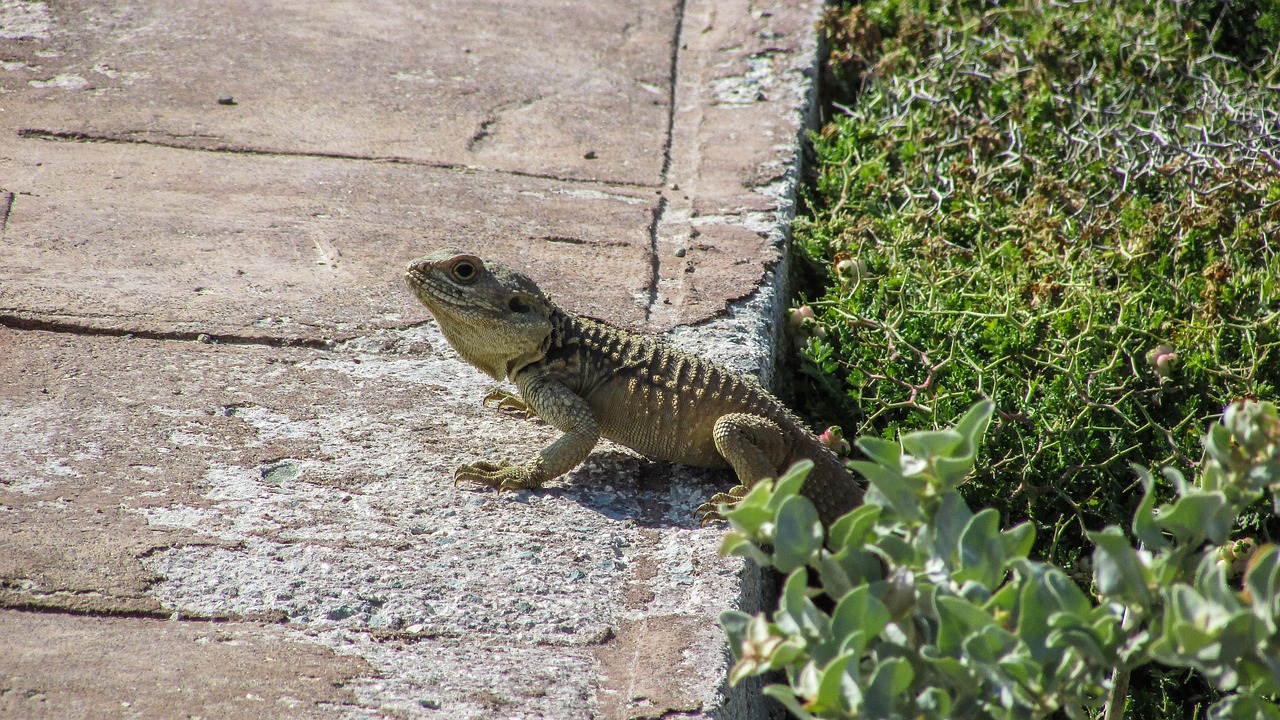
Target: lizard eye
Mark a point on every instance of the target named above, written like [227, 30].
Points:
[518, 305]
[463, 271]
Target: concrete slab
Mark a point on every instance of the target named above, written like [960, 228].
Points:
[216, 401]
[313, 487]
[63, 667]
[160, 240]
[476, 84]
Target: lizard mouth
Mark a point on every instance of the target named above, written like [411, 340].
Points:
[429, 291]
[414, 278]
[420, 286]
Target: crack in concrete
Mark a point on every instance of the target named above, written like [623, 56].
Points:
[77, 136]
[569, 240]
[481, 133]
[18, 322]
[671, 92]
[32, 605]
[655, 259]
[6, 209]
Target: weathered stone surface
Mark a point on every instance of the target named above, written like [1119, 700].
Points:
[313, 486]
[478, 83]
[741, 101]
[217, 401]
[154, 239]
[63, 667]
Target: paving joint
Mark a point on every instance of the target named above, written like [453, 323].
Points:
[8, 199]
[45, 324]
[122, 138]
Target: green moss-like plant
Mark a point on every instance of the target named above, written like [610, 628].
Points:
[1069, 209]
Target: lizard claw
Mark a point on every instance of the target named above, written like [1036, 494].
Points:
[502, 475]
[709, 511]
[504, 399]
[479, 472]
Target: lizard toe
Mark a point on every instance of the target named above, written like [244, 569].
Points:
[711, 510]
[481, 473]
[707, 512]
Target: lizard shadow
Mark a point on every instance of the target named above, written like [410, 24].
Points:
[622, 485]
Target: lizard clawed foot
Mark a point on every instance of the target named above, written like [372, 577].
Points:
[709, 511]
[503, 475]
[507, 400]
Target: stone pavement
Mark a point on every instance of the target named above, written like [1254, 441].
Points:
[227, 432]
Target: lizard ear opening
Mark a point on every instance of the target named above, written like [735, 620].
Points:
[518, 305]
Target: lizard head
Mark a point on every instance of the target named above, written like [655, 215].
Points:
[497, 319]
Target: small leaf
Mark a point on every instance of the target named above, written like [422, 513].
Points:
[1117, 571]
[735, 545]
[971, 427]
[1144, 521]
[787, 698]
[1245, 706]
[787, 653]
[1033, 619]
[989, 644]
[830, 697]
[895, 550]
[981, 553]
[1016, 542]
[848, 569]
[748, 519]
[959, 674]
[889, 680]
[806, 682]
[859, 611]
[853, 527]
[735, 624]
[930, 444]
[788, 486]
[949, 523]
[958, 619]
[1262, 580]
[1195, 517]
[798, 536]
[1219, 445]
[892, 486]
[797, 615]
[935, 701]
[751, 512]
[884, 452]
[1082, 641]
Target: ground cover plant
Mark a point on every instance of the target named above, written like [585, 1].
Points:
[922, 608]
[1071, 208]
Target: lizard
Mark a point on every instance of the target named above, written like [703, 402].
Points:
[590, 379]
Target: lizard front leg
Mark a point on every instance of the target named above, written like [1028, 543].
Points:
[559, 407]
[504, 399]
[754, 447]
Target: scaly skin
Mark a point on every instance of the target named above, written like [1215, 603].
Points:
[592, 380]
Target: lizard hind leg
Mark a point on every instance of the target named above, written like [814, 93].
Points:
[755, 447]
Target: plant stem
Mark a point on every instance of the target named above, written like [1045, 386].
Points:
[1118, 695]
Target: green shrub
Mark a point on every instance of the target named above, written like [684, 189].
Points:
[914, 606]
[1071, 209]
